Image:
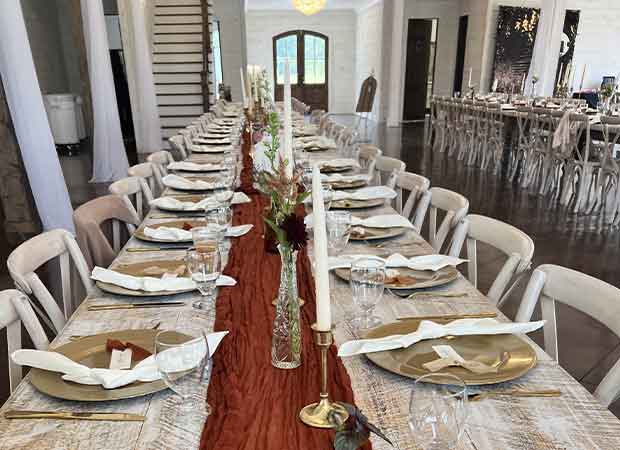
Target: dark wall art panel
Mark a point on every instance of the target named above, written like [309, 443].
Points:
[514, 44]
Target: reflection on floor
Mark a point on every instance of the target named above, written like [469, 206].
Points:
[587, 348]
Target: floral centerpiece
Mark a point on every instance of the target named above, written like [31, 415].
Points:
[280, 182]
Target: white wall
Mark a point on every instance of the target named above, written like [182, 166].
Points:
[597, 40]
[338, 25]
[368, 51]
[231, 14]
[476, 10]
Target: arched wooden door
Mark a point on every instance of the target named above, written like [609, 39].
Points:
[308, 55]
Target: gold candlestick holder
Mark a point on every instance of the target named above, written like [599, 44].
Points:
[318, 415]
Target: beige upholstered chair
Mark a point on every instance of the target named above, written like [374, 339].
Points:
[599, 300]
[136, 188]
[455, 207]
[387, 169]
[514, 243]
[152, 176]
[419, 197]
[89, 219]
[34, 253]
[15, 309]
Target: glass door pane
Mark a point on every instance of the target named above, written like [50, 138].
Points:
[314, 60]
[286, 50]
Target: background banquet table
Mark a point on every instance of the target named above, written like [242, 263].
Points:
[573, 421]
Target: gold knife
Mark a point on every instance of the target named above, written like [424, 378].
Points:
[65, 415]
[474, 397]
[156, 249]
[483, 315]
[111, 306]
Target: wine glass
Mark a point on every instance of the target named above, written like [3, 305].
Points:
[338, 225]
[205, 266]
[182, 359]
[438, 412]
[367, 285]
[328, 196]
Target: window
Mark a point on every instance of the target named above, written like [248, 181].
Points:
[314, 59]
[286, 50]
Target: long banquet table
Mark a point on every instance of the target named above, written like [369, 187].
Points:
[573, 421]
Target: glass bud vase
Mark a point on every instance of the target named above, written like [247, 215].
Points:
[286, 341]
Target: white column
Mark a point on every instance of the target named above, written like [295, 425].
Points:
[109, 157]
[30, 120]
[395, 109]
[137, 52]
[547, 47]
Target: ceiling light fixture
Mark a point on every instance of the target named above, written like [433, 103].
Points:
[309, 7]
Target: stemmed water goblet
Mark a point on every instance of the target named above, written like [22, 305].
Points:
[438, 411]
[204, 264]
[367, 282]
[338, 225]
[182, 360]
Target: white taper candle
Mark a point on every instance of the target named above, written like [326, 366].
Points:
[244, 94]
[288, 122]
[321, 270]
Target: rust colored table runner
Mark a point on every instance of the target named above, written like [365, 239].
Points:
[255, 405]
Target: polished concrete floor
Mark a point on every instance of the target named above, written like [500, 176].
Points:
[587, 348]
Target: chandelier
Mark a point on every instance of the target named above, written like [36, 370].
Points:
[309, 7]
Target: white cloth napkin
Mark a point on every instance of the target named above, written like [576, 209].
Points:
[210, 148]
[432, 330]
[341, 162]
[561, 136]
[337, 177]
[215, 140]
[381, 221]
[145, 371]
[177, 182]
[367, 193]
[320, 142]
[180, 235]
[206, 203]
[193, 167]
[151, 284]
[425, 262]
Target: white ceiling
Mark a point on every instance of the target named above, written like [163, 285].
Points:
[288, 4]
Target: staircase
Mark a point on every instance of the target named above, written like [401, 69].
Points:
[180, 46]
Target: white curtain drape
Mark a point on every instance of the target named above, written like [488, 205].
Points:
[109, 156]
[30, 120]
[137, 52]
[547, 47]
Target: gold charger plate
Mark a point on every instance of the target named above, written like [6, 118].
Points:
[413, 279]
[357, 204]
[90, 351]
[348, 184]
[214, 149]
[509, 353]
[172, 224]
[146, 269]
[372, 234]
[330, 169]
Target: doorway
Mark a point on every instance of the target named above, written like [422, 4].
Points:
[307, 53]
[460, 55]
[420, 71]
